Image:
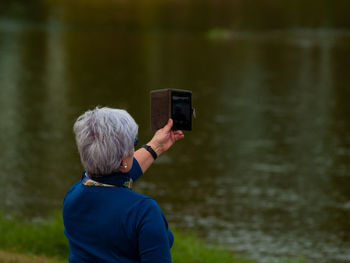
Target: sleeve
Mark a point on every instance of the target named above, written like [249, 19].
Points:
[154, 238]
[135, 171]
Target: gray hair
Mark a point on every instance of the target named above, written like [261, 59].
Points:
[104, 137]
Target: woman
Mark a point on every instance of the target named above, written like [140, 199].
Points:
[105, 221]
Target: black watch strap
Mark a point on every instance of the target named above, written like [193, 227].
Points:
[150, 150]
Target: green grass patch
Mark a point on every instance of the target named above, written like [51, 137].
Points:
[44, 238]
[47, 239]
[189, 248]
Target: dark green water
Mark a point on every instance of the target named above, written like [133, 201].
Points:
[266, 170]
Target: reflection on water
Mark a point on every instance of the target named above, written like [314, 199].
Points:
[265, 171]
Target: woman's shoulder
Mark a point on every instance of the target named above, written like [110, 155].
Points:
[147, 204]
[72, 188]
[144, 200]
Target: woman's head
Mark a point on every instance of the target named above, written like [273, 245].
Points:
[104, 137]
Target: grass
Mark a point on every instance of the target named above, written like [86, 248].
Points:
[189, 248]
[46, 238]
[45, 242]
[11, 257]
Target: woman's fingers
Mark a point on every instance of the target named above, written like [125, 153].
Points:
[168, 126]
[165, 137]
[178, 135]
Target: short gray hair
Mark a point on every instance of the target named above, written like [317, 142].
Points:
[104, 137]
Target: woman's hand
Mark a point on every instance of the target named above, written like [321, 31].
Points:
[164, 138]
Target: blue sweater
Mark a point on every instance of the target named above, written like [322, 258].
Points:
[115, 224]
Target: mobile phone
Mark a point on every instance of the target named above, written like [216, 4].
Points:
[171, 103]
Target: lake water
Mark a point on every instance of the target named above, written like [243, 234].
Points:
[266, 170]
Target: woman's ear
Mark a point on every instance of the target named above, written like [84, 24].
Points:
[126, 164]
[123, 165]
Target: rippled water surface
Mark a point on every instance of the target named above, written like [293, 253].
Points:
[266, 170]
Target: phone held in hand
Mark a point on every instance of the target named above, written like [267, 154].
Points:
[171, 103]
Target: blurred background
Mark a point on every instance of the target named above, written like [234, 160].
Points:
[266, 170]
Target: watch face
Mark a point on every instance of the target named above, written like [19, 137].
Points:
[181, 110]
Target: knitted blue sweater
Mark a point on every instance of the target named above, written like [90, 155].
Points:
[115, 224]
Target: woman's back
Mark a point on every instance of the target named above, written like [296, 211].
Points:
[114, 224]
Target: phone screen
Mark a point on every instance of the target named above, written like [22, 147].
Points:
[181, 112]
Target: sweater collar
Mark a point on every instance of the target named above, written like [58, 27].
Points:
[117, 179]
